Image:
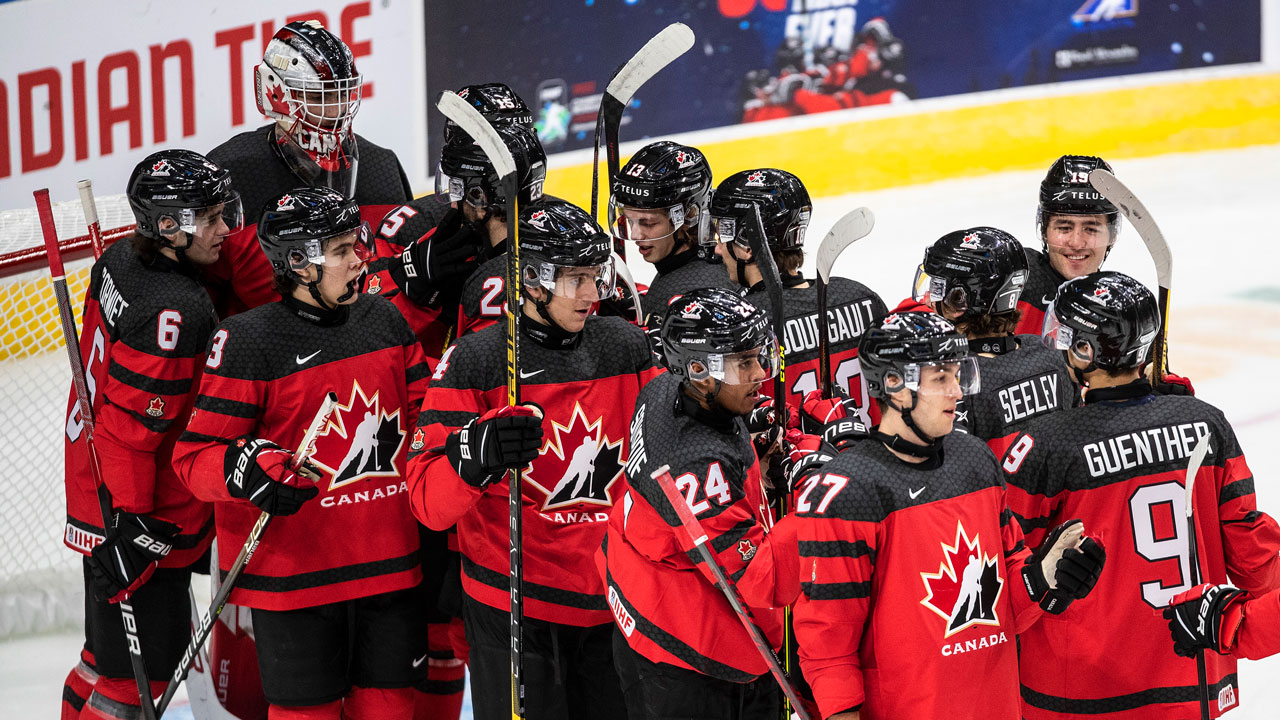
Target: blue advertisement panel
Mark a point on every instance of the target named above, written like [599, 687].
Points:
[763, 59]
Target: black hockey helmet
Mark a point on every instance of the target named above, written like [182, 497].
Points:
[499, 104]
[1107, 319]
[465, 172]
[1066, 190]
[713, 332]
[893, 352]
[555, 235]
[181, 185]
[979, 271]
[294, 226]
[784, 205]
[665, 176]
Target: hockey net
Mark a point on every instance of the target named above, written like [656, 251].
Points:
[41, 588]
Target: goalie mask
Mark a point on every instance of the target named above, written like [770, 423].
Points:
[662, 188]
[188, 189]
[308, 83]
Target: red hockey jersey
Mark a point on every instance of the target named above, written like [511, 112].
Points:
[586, 391]
[403, 227]
[265, 376]
[1119, 463]
[851, 309]
[912, 591]
[662, 595]
[146, 325]
[1259, 634]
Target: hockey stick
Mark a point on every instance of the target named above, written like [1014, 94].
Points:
[849, 229]
[661, 50]
[624, 274]
[91, 216]
[1138, 216]
[693, 530]
[246, 553]
[768, 268]
[1193, 559]
[474, 124]
[71, 336]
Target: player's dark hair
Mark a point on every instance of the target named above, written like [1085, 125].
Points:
[146, 248]
[789, 261]
[984, 326]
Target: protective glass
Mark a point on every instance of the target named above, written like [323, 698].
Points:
[731, 228]
[1057, 336]
[932, 289]
[313, 252]
[576, 282]
[740, 368]
[636, 224]
[1082, 232]
[937, 378]
[195, 220]
[473, 189]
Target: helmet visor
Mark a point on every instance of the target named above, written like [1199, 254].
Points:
[741, 368]
[957, 378]
[644, 224]
[1057, 336]
[335, 252]
[194, 221]
[932, 289]
[576, 282]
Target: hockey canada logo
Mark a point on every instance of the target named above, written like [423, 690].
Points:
[539, 219]
[965, 589]
[285, 203]
[970, 242]
[684, 159]
[1101, 295]
[577, 463]
[755, 179]
[360, 441]
[161, 169]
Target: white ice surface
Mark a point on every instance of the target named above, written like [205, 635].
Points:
[1217, 211]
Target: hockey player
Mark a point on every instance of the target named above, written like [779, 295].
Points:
[1225, 620]
[660, 202]
[974, 278]
[1118, 462]
[784, 206]
[146, 323]
[334, 592]
[679, 649]
[431, 245]
[308, 85]
[583, 373]
[914, 575]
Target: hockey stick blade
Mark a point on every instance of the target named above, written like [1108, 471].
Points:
[474, 124]
[1138, 216]
[848, 230]
[694, 532]
[662, 49]
[624, 274]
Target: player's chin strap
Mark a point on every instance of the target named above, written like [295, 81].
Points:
[928, 449]
[323, 316]
[549, 335]
[712, 414]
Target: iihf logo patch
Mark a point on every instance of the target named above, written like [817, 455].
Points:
[965, 589]
[156, 408]
[746, 549]
[418, 440]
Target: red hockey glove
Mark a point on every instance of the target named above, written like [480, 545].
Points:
[483, 450]
[802, 456]
[1206, 617]
[258, 471]
[1064, 568]
[1172, 384]
[135, 544]
[835, 419]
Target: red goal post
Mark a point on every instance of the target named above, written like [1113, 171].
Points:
[40, 579]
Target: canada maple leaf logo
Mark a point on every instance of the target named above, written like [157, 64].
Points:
[755, 178]
[360, 441]
[967, 586]
[577, 463]
[161, 168]
[970, 241]
[276, 96]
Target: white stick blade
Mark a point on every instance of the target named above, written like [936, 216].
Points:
[86, 200]
[1193, 467]
[663, 48]
[474, 124]
[849, 229]
[1140, 218]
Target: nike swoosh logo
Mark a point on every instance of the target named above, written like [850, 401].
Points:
[303, 360]
[915, 493]
[1046, 299]
[524, 375]
[420, 660]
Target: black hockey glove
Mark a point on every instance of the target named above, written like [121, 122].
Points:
[834, 419]
[802, 455]
[440, 262]
[762, 423]
[135, 544]
[483, 450]
[620, 304]
[1064, 568]
[258, 471]
[1204, 618]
